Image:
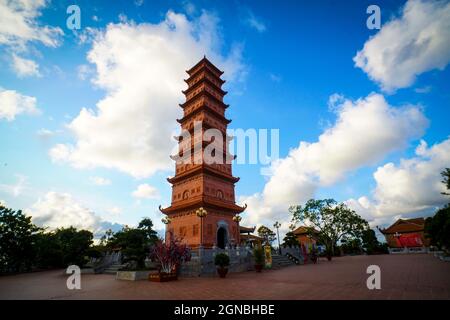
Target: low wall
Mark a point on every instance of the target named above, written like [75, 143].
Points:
[408, 250]
[202, 261]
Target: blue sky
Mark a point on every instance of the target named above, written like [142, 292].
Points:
[283, 61]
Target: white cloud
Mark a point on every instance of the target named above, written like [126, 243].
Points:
[365, 131]
[56, 210]
[425, 89]
[25, 67]
[45, 134]
[100, 181]
[84, 71]
[87, 35]
[411, 187]
[409, 45]
[146, 191]
[17, 188]
[12, 103]
[255, 22]
[142, 67]
[19, 24]
[115, 211]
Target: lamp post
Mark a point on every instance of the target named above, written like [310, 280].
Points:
[201, 213]
[237, 219]
[277, 225]
[166, 221]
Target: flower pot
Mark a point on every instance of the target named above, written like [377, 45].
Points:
[162, 277]
[222, 271]
[258, 267]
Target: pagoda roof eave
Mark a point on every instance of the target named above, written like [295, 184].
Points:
[195, 85]
[199, 95]
[206, 109]
[204, 60]
[202, 169]
[205, 202]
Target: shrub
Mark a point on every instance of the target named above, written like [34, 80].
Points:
[170, 255]
[222, 260]
[258, 253]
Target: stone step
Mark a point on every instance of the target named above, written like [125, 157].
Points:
[281, 261]
[112, 269]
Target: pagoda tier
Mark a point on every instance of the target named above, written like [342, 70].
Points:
[199, 183]
[200, 169]
[205, 202]
[206, 109]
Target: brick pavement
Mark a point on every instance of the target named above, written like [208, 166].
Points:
[419, 276]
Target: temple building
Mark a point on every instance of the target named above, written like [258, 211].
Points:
[203, 209]
[248, 238]
[406, 233]
[304, 237]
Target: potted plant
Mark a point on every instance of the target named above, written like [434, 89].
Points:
[258, 254]
[169, 256]
[222, 261]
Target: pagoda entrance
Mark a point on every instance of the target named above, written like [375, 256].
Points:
[222, 238]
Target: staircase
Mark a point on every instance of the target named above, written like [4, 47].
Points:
[112, 269]
[279, 261]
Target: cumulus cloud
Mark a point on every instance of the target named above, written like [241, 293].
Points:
[141, 67]
[56, 210]
[100, 181]
[411, 187]
[25, 67]
[405, 47]
[19, 24]
[146, 191]
[365, 131]
[12, 103]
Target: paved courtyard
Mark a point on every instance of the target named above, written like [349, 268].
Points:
[419, 276]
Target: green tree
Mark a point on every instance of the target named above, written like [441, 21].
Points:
[74, 245]
[370, 243]
[446, 179]
[290, 240]
[146, 225]
[17, 236]
[332, 221]
[47, 251]
[267, 234]
[135, 243]
[437, 228]
[351, 245]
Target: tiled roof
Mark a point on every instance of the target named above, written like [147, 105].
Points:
[303, 230]
[406, 225]
[243, 229]
[251, 237]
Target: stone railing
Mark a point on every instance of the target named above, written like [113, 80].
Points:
[202, 261]
[294, 251]
[408, 250]
[104, 262]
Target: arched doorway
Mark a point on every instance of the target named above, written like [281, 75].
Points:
[222, 237]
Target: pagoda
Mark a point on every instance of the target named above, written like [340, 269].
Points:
[203, 211]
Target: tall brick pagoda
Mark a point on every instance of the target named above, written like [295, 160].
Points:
[203, 209]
